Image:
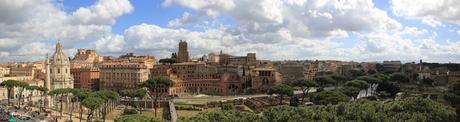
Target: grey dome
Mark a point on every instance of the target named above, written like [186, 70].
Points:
[59, 58]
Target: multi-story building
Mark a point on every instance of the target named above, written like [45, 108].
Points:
[117, 75]
[226, 59]
[145, 59]
[392, 65]
[86, 77]
[201, 77]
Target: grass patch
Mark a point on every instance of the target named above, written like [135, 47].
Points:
[152, 114]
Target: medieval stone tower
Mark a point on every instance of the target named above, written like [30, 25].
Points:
[182, 55]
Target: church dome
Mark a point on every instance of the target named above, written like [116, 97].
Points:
[59, 58]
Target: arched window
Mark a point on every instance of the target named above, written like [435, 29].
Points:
[59, 70]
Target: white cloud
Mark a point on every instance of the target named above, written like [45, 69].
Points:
[301, 18]
[446, 10]
[187, 19]
[26, 22]
[432, 22]
[103, 12]
[412, 31]
[111, 43]
[458, 32]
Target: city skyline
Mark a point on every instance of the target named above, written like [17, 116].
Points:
[367, 30]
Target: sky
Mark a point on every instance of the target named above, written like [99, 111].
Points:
[348, 30]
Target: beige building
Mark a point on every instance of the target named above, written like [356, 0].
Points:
[117, 75]
[226, 59]
[60, 70]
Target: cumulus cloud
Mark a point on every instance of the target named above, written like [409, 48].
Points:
[187, 19]
[432, 22]
[446, 10]
[103, 12]
[458, 32]
[25, 22]
[412, 31]
[301, 18]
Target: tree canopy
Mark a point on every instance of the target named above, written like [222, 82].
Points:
[399, 77]
[224, 116]
[168, 60]
[323, 81]
[350, 91]
[412, 109]
[339, 78]
[363, 85]
[137, 118]
[281, 90]
[453, 93]
[153, 85]
[330, 97]
[305, 85]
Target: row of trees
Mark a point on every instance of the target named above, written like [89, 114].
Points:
[21, 86]
[409, 109]
[89, 99]
[351, 88]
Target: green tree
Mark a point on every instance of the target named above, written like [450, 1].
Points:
[227, 107]
[139, 93]
[305, 85]
[370, 80]
[453, 93]
[168, 60]
[381, 76]
[356, 73]
[420, 110]
[223, 116]
[323, 81]
[281, 90]
[350, 91]
[109, 98]
[60, 94]
[31, 89]
[76, 98]
[153, 85]
[390, 87]
[9, 84]
[137, 118]
[92, 103]
[294, 101]
[330, 97]
[362, 85]
[43, 91]
[399, 77]
[80, 95]
[339, 78]
[371, 71]
[21, 86]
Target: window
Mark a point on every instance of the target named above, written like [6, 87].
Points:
[51, 70]
[59, 70]
[66, 70]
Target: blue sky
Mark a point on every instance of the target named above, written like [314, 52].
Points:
[366, 30]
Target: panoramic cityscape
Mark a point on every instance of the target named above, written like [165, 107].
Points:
[212, 60]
